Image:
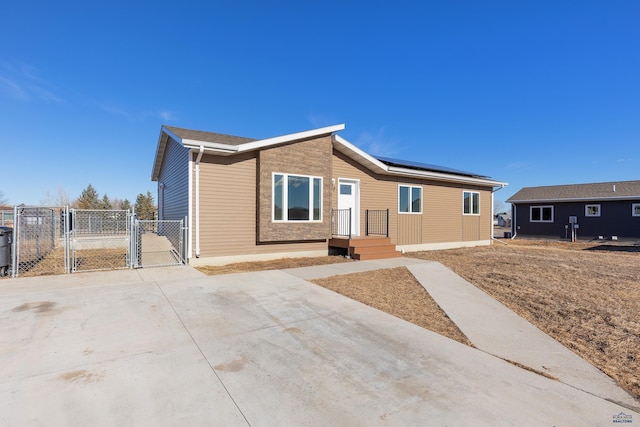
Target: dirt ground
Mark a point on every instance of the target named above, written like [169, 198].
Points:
[585, 295]
[276, 264]
[397, 292]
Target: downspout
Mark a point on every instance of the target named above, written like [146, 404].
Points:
[200, 152]
[493, 237]
[514, 228]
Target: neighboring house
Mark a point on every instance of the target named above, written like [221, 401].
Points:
[601, 210]
[294, 195]
[503, 219]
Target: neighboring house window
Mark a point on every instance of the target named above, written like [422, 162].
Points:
[592, 210]
[297, 197]
[409, 199]
[471, 203]
[541, 213]
[635, 209]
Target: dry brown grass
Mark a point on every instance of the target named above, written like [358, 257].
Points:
[276, 264]
[397, 292]
[86, 260]
[585, 296]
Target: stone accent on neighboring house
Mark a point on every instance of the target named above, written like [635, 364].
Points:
[310, 158]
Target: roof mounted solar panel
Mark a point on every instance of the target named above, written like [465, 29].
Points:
[427, 167]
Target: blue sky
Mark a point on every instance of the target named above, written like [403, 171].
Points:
[527, 92]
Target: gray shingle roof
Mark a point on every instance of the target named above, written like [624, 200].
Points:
[594, 191]
[199, 135]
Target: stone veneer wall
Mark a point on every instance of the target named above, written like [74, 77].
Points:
[309, 157]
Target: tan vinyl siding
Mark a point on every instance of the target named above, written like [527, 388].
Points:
[376, 191]
[174, 174]
[228, 209]
[478, 227]
[443, 214]
[442, 219]
[409, 229]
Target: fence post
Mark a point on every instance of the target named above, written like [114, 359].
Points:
[387, 222]
[14, 243]
[366, 222]
[67, 241]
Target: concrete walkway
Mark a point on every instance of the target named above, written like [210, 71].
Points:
[170, 346]
[491, 326]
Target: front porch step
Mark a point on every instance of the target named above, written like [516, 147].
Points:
[367, 248]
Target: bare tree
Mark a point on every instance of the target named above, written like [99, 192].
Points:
[61, 198]
[3, 200]
[499, 206]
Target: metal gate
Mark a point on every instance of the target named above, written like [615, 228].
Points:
[158, 243]
[39, 241]
[58, 240]
[100, 239]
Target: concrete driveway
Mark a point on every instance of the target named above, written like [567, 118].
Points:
[170, 346]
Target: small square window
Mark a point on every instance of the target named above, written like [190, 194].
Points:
[635, 209]
[409, 199]
[592, 210]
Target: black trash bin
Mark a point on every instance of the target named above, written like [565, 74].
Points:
[5, 249]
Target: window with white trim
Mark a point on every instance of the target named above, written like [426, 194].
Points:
[471, 203]
[592, 210]
[541, 214]
[409, 199]
[635, 209]
[297, 198]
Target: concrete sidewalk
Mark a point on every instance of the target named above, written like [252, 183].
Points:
[171, 346]
[491, 326]
[495, 329]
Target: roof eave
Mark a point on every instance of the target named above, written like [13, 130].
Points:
[157, 161]
[222, 149]
[362, 157]
[437, 176]
[575, 199]
[283, 139]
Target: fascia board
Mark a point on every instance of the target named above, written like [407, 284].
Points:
[171, 134]
[391, 170]
[211, 146]
[576, 199]
[361, 153]
[446, 177]
[254, 145]
[157, 161]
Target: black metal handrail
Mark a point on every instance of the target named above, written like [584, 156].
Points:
[341, 222]
[377, 222]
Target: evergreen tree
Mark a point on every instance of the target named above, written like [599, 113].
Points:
[106, 203]
[145, 208]
[125, 205]
[89, 198]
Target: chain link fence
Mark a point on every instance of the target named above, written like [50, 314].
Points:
[100, 239]
[6, 218]
[57, 240]
[39, 241]
[159, 243]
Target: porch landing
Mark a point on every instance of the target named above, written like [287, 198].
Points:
[366, 248]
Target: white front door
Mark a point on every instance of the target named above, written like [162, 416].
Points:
[348, 196]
